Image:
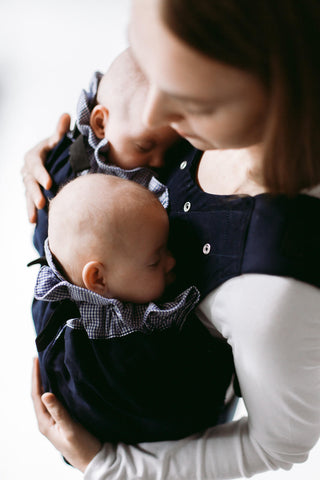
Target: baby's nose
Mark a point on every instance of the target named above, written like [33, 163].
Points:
[170, 264]
[156, 160]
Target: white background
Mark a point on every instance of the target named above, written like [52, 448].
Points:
[48, 51]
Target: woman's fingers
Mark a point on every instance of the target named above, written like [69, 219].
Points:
[72, 440]
[36, 378]
[48, 410]
[57, 412]
[34, 173]
[63, 126]
[33, 163]
[41, 412]
[34, 197]
[31, 210]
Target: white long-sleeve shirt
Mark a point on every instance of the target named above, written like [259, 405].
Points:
[273, 326]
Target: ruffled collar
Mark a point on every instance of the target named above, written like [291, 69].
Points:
[106, 317]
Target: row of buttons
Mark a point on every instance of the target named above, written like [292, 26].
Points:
[186, 207]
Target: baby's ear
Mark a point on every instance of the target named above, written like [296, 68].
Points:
[94, 278]
[99, 120]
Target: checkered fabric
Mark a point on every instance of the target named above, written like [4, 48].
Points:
[109, 318]
[97, 147]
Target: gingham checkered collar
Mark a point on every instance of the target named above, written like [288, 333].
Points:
[107, 317]
[52, 286]
[86, 102]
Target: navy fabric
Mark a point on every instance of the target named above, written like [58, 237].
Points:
[60, 170]
[139, 387]
[165, 385]
[225, 236]
[291, 247]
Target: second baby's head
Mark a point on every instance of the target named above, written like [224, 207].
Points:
[118, 117]
[109, 235]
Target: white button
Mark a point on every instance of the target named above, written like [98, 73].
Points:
[187, 206]
[183, 164]
[206, 248]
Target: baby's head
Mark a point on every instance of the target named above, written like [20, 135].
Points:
[109, 235]
[118, 117]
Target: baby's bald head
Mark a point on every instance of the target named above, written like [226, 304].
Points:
[93, 217]
[120, 84]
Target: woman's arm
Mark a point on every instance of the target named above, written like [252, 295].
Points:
[273, 326]
[33, 171]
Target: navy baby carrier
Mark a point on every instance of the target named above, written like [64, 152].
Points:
[161, 386]
[171, 383]
[66, 160]
[230, 235]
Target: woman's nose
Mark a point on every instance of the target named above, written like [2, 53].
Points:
[159, 109]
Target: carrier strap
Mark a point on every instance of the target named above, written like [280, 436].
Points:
[64, 311]
[79, 159]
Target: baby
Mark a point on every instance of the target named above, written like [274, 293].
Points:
[109, 235]
[107, 254]
[118, 117]
[110, 137]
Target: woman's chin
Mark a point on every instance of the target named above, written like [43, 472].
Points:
[199, 143]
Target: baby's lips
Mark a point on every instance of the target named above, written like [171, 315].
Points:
[170, 277]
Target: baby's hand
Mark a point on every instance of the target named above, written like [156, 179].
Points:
[33, 171]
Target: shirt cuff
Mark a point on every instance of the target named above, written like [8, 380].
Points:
[97, 467]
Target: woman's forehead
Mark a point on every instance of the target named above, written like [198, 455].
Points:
[174, 67]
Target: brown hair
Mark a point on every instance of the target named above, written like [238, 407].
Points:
[278, 42]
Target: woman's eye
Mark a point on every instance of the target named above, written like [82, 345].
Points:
[199, 111]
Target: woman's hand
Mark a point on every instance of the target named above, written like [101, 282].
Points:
[75, 443]
[33, 171]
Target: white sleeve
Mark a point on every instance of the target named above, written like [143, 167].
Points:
[273, 325]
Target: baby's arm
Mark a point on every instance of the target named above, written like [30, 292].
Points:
[33, 171]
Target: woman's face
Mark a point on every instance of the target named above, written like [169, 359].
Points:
[211, 104]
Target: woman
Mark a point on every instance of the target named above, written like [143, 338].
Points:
[238, 79]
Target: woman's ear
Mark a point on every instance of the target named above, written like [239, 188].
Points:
[94, 278]
[99, 120]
